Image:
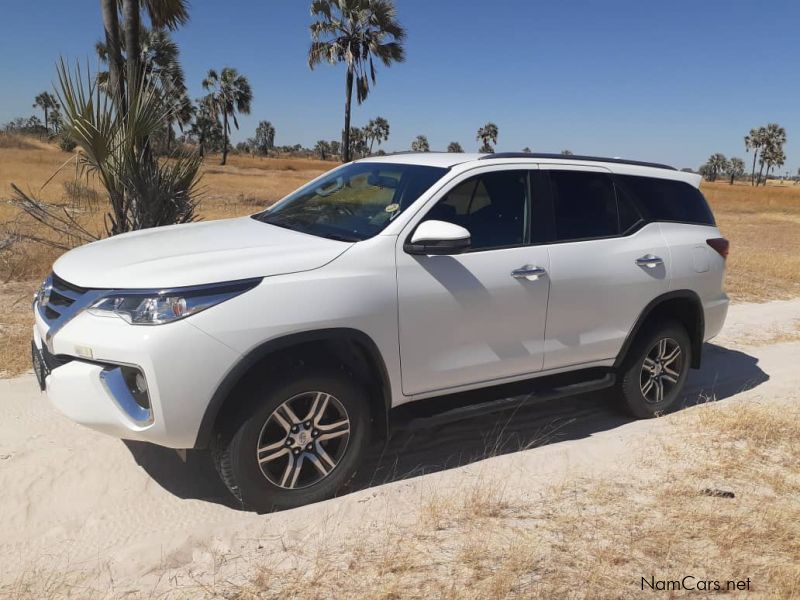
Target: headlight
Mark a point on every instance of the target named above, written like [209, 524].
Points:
[155, 307]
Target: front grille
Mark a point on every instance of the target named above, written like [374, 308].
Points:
[60, 284]
[62, 296]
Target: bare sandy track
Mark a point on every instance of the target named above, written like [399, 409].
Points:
[137, 517]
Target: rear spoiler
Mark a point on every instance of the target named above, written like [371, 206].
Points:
[695, 179]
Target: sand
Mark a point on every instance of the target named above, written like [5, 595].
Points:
[135, 517]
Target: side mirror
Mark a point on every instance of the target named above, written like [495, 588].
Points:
[438, 238]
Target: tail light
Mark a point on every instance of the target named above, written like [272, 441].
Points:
[721, 245]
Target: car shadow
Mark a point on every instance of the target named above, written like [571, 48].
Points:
[531, 423]
[422, 449]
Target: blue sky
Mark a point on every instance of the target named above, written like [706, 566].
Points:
[664, 81]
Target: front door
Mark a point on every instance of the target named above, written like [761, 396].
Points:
[478, 316]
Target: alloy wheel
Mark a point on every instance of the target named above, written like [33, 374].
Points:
[295, 452]
[661, 370]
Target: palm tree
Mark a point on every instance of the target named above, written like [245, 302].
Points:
[163, 14]
[355, 32]
[265, 137]
[488, 135]
[206, 128]
[717, 163]
[735, 168]
[774, 137]
[230, 93]
[754, 141]
[143, 191]
[527, 149]
[159, 57]
[772, 157]
[377, 130]
[420, 144]
[454, 147]
[322, 148]
[358, 142]
[47, 102]
[57, 120]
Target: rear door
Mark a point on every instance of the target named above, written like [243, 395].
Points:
[606, 265]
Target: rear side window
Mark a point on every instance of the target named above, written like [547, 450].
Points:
[584, 205]
[666, 199]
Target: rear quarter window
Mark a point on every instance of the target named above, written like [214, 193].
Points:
[666, 199]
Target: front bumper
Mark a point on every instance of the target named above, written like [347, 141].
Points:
[182, 365]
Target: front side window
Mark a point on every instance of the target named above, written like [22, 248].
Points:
[492, 207]
[584, 205]
[353, 203]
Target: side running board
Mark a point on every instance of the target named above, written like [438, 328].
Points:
[469, 405]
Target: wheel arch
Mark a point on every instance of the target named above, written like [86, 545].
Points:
[359, 354]
[684, 305]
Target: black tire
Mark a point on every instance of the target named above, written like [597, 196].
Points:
[236, 452]
[634, 378]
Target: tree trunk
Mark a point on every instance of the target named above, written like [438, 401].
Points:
[732, 176]
[760, 171]
[347, 102]
[46, 128]
[130, 11]
[753, 174]
[224, 137]
[111, 27]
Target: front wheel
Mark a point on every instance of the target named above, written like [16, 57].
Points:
[301, 444]
[655, 372]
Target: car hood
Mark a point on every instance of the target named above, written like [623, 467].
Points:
[194, 254]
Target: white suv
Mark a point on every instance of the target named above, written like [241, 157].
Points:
[282, 341]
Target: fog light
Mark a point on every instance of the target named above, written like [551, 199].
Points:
[137, 384]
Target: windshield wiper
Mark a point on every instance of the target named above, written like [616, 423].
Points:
[340, 237]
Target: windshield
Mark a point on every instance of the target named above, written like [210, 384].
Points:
[353, 203]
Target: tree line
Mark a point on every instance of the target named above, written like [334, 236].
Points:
[766, 144]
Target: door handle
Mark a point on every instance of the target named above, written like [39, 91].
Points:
[650, 261]
[528, 272]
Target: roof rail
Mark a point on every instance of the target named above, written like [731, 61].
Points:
[621, 161]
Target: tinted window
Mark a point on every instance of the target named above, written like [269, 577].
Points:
[584, 205]
[629, 216]
[667, 200]
[353, 203]
[491, 206]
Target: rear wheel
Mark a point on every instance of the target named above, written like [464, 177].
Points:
[301, 443]
[655, 372]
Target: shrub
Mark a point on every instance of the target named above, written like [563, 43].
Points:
[66, 143]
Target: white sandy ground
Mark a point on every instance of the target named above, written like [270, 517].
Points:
[139, 519]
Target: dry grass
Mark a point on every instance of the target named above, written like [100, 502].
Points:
[15, 328]
[762, 225]
[21, 142]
